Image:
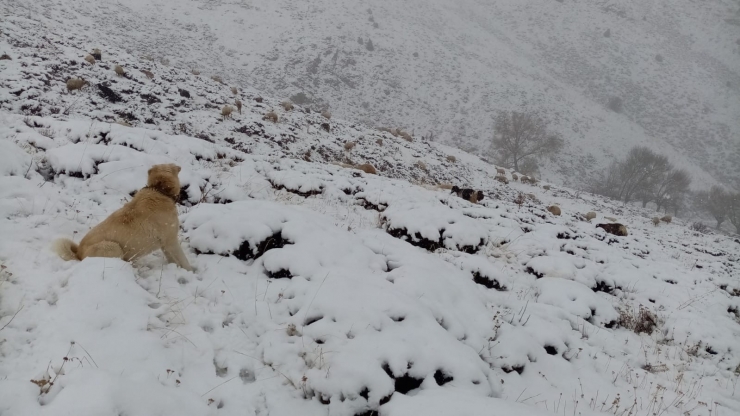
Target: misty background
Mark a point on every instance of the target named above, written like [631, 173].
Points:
[602, 76]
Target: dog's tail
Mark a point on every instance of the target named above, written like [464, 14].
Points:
[65, 248]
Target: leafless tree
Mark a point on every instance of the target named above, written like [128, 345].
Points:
[519, 136]
[667, 190]
[646, 176]
[639, 172]
[733, 210]
[716, 203]
[607, 183]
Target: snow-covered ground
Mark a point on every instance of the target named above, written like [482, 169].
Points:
[320, 289]
[445, 66]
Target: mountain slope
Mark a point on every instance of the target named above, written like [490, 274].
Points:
[321, 289]
[442, 68]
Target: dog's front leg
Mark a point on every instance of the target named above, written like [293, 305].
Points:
[174, 254]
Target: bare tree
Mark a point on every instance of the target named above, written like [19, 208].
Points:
[519, 136]
[733, 210]
[716, 203]
[646, 176]
[639, 172]
[670, 191]
[607, 183]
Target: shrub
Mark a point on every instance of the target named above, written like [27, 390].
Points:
[641, 321]
[300, 99]
[699, 227]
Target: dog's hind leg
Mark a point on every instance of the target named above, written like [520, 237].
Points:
[105, 249]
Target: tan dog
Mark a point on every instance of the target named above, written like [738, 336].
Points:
[147, 223]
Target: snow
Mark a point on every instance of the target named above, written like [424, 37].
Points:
[435, 403]
[14, 160]
[320, 289]
[444, 70]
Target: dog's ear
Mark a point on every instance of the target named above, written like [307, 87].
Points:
[177, 168]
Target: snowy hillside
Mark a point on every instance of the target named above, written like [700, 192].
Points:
[443, 67]
[319, 288]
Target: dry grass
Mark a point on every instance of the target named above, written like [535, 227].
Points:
[638, 321]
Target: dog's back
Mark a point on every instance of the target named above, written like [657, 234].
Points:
[137, 227]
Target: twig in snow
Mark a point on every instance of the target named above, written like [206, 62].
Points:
[530, 397]
[520, 394]
[29, 169]
[160, 281]
[172, 330]
[12, 317]
[314, 298]
[218, 386]
[88, 354]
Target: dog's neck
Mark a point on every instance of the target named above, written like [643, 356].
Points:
[174, 198]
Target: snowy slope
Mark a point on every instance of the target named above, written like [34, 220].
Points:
[321, 289]
[443, 67]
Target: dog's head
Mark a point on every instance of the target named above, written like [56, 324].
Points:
[480, 195]
[164, 179]
[455, 189]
